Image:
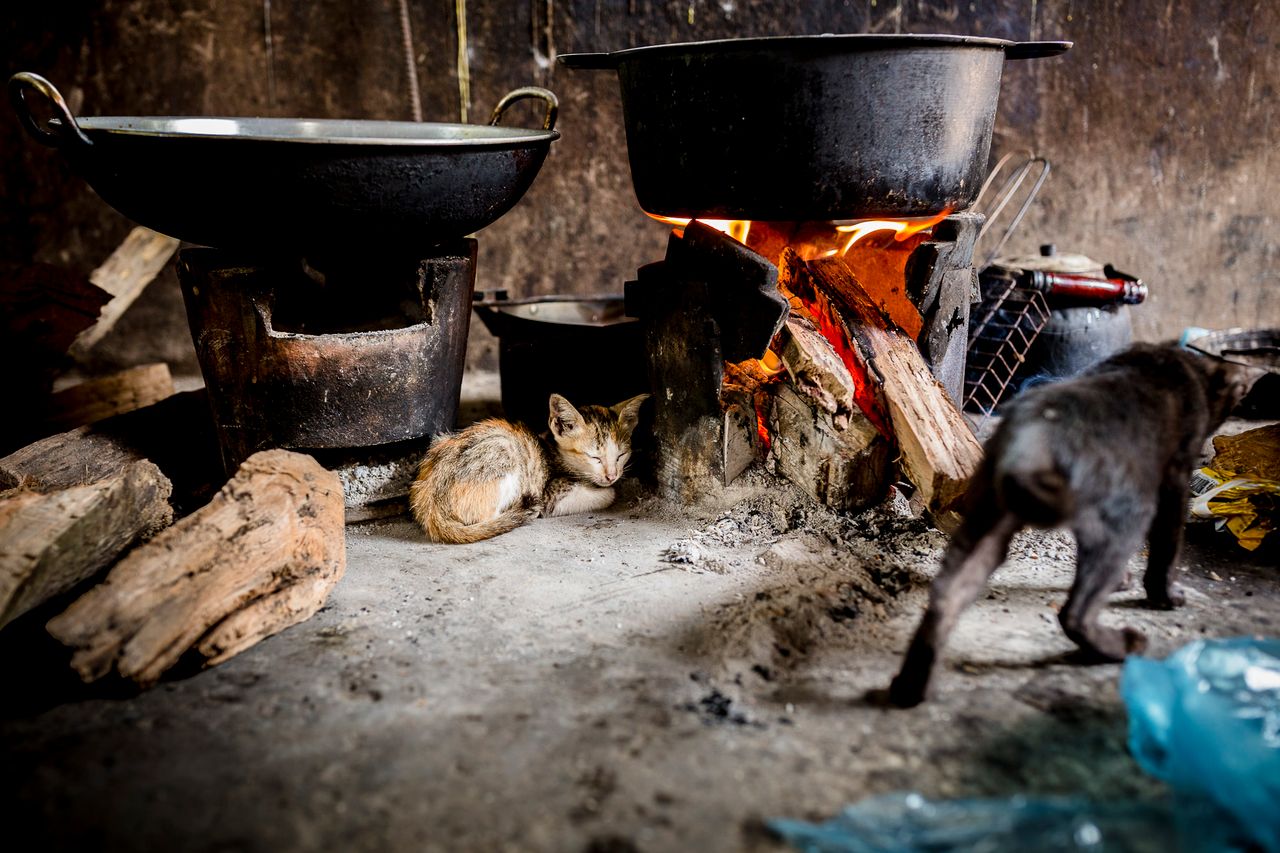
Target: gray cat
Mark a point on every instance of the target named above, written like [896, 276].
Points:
[1107, 454]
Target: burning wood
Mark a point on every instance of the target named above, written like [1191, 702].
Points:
[842, 382]
[814, 369]
[939, 450]
[844, 468]
[830, 320]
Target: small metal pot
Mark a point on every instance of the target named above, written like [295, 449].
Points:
[583, 347]
[811, 127]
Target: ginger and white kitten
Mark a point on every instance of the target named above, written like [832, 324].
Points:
[494, 475]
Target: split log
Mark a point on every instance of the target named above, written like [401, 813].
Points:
[99, 398]
[176, 434]
[51, 542]
[124, 276]
[741, 396]
[845, 469]
[939, 450]
[263, 555]
[814, 369]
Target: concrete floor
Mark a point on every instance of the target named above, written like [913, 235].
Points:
[569, 687]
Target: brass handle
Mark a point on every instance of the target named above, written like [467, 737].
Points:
[524, 93]
[60, 130]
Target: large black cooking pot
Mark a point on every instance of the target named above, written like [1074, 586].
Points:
[811, 127]
[298, 186]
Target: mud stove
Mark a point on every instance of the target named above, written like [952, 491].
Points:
[359, 365]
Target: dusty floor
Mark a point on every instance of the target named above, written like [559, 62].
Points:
[646, 678]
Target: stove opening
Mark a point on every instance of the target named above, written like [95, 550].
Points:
[833, 353]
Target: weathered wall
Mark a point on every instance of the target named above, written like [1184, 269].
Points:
[1159, 124]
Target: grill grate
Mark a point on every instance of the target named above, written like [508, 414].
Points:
[1000, 335]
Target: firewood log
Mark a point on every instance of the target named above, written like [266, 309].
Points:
[51, 542]
[263, 555]
[175, 434]
[104, 396]
[124, 275]
[939, 450]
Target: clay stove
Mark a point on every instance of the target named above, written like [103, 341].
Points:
[358, 366]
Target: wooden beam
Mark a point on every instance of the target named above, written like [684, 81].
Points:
[263, 555]
[51, 542]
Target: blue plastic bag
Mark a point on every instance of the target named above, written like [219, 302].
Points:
[909, 823]
[1207, 721]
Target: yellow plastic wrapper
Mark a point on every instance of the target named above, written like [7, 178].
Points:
[1240, 488]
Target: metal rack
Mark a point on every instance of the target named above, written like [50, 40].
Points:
[1001, 334]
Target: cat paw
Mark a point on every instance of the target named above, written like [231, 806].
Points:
[902, 693]
[1169, 600]
[1135, 642]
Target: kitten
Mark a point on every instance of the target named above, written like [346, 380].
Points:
[495, 475]
[1108, 454]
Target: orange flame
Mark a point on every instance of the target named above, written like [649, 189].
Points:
[903, 229]
[842, 237]
[762, 430]
[771, 364]
[738, 229]
[824, 314]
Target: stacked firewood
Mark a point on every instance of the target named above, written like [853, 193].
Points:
[99, 502]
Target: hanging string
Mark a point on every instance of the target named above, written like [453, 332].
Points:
[464, 61]
[271, 56]
[410, 65]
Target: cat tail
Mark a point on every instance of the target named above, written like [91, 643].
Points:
[453, 531]
[445, 527]
[1030, 481]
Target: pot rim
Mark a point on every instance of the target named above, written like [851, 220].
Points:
[445, 135]
[825, 42]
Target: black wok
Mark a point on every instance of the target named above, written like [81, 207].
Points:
[298, 186]
[811, 127]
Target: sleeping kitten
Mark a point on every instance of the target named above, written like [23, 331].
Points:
[493, 476]
[1108, 454]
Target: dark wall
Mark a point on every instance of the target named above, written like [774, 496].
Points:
[1160, 125]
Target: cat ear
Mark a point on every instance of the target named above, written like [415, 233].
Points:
[564, 418]
[628, 412]
[1237, 379]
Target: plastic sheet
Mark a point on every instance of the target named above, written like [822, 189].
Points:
[1240, 488]
[1207, 721]
[909, 823]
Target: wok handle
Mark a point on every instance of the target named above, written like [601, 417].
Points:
[592, 61]
[60, 130]
[1036, 49]
[524, 93]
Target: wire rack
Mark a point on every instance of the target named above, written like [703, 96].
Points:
[1001, 333]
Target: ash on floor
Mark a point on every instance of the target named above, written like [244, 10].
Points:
[646, 678]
